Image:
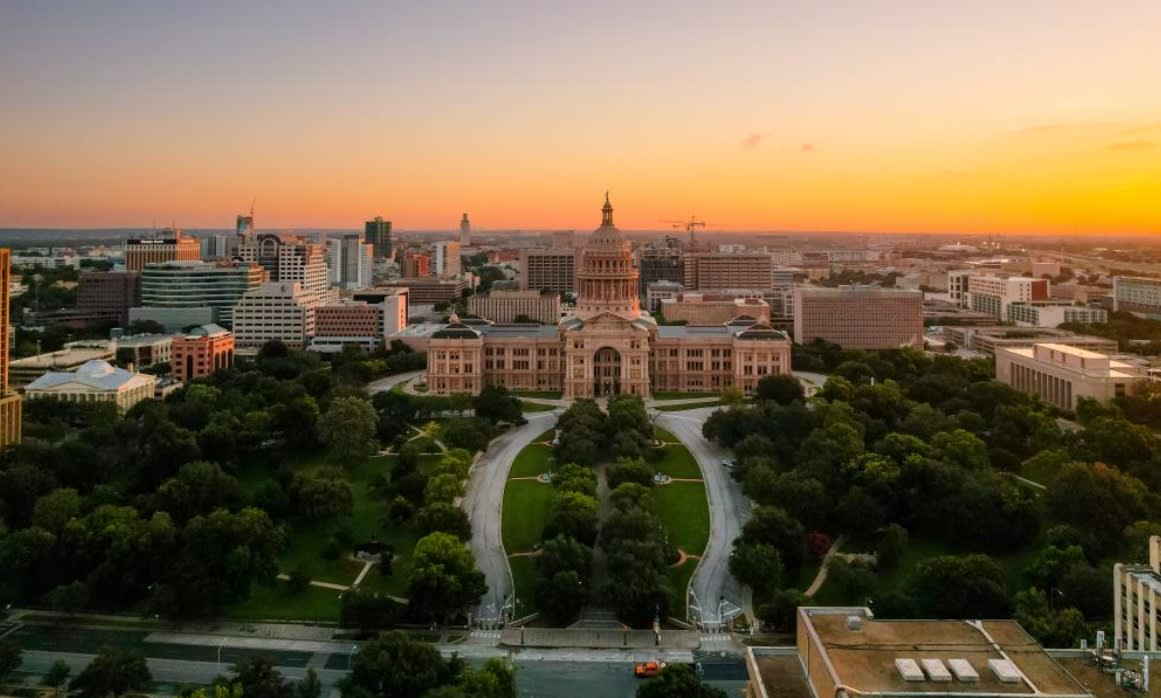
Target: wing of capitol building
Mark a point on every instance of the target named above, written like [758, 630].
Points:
[608, 346]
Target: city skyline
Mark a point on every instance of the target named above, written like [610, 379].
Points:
[1040, 117]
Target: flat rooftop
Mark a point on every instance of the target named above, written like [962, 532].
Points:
[1074, 351]
[864, 659]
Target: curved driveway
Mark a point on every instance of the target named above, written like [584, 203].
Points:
[729, 509]
[483, 503]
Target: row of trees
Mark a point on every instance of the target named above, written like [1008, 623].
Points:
[588, 435]
[900, 441]
[564, 566]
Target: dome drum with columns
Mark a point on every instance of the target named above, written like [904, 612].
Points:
[608, 346]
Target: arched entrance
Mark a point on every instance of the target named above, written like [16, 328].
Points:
[606, 372]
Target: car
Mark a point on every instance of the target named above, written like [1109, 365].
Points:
[645, 670]
[728, 464]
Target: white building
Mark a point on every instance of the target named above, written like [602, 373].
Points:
[957, 285]
[1055, 314]
[993, 294]
[1136, 593]
[277, 310]
[350, 261]
[1136, 294]
[288, 258]
[94, 381]
[446, 256]
[1061, 375]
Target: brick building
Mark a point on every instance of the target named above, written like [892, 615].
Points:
[201, 351]
[859, 317]
[109, 294]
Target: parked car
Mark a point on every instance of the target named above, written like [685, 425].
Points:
[645, 670]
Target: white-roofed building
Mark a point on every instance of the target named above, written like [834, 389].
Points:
[93, 381]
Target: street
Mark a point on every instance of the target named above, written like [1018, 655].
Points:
[716, 590]
[385, 384]
[483, 503]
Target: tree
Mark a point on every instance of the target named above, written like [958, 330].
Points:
[9, 658]
[678, 681]
[853, 581]
[780, 388]
[310, 686]
[495, 679]
[960, 586]
[52, 511]
[443, 578]
[56, 675]
[774, 526]
[962, 448]
[561, 554]
[348, 428]
[573, 515]
[319, 495]
[1098, 500]
[630, 470]
[446, 517]
[68, 598]
[571, 477]
[757, 565]
[495, 403]
[443, 488]
[466, 433]
[112, 672]
[258, 678]
[198, 488]
[394, 665]
[781, 612]
[891, 546]
[368, 611]
[561, 597]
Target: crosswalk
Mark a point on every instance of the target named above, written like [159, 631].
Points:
[8, 627]
[723, 638]
[486, 634]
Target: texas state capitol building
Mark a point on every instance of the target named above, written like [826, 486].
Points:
[608, 347]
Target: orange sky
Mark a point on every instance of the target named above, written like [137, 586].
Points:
[1038, 116]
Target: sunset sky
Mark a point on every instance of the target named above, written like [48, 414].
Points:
[862, 115]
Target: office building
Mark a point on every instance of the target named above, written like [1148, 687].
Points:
[349, 261]
[288, 258]
[167, 246]
[713, 309]
[608, 346]
[377, 233]
[215, 246]
[180, 294]
[143, 350]
[447, 259]
[393, 301]
[93, 381]
[430, 290]
[707, 271]
[1134, 294]
[416, 264]
[275, 310]
[108, 294]
[986, 339]
[345, 323]
[506, 306]
[993, 294]
[662, 261]
[1053, 314]
[552, 269]
[10, 408]
[658, 291]
[465, 231]
[859, 317]
[845, 652]
[200, 351]
[1136, 595]
[1060, 374]
[957, 285]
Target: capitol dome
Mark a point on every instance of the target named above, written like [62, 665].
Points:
[606, 277]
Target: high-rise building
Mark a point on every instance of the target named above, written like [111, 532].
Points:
[167, 246]
[551, 269]
[707, 271]
[215, 246]
[10, 407]
[109, 294]
[349, 261]
[288, 258]
[465, 231]
[377, 233]
[661, 262]
[276, 310]
[447, 259]
[416, 264]
[245, 224]
[859, 317]
[179, 294]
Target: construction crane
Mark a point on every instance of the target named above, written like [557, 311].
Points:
[689, 226]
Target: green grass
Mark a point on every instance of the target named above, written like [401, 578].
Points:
[679, 462]
[546, 436]
[279, 603]
[536, 406]
[679, 580]
[681, 396]
[532, 460]
[524, 579]
[687, 406]
[542, 394]
[526, 508]
[665, 435]
[683, 509]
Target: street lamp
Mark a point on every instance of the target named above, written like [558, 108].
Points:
[354, 648]
[220, 650]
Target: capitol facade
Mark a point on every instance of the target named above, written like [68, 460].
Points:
[608, 346]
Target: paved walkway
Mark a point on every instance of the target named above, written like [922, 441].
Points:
[484, 502]
[820, 578]
[384, 384]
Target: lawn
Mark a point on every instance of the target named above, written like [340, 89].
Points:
[665, 435]
[279, 603]
[524, 583]
[683, 509]
[536, 406]
[546, 436]
[679, 462]
[531, 461]
[526, 509]
[687, 406]
[679, 580]
[542, 394]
